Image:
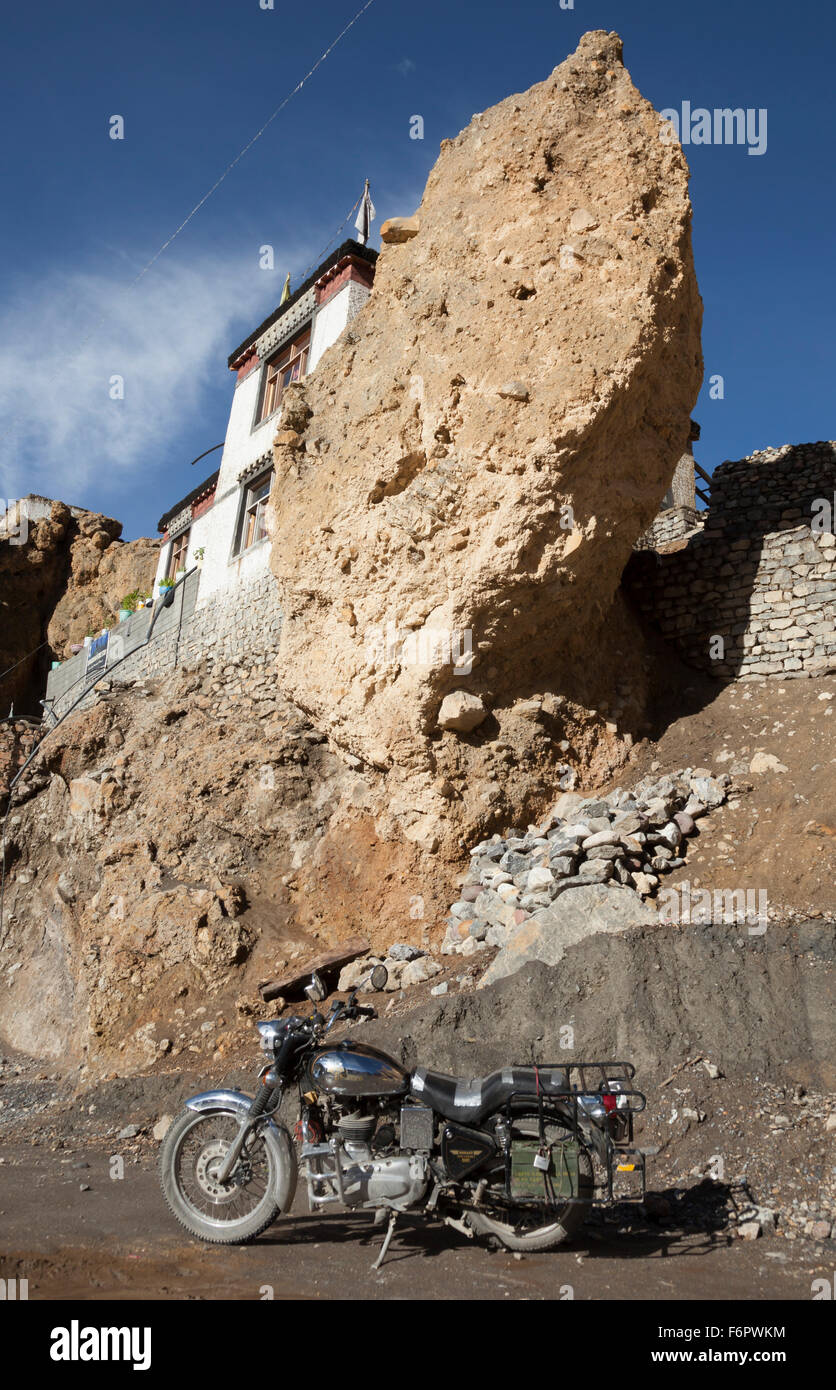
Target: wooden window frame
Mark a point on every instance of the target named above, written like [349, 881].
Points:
[251, 527]
[289, 364]
[179, 551]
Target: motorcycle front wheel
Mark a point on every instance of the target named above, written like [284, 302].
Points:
[259, 1188]
[538, 1227]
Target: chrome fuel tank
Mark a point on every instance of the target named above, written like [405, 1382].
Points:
[354, 1069]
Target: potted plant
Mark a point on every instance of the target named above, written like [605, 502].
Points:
[129, 604]
[198, 555]
[163, 586]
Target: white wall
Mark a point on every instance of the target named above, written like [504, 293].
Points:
[243, 446]
[332, 317]
[162, 564]
[200, 534]
[15, 512]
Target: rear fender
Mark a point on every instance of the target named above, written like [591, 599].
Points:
[276, 1135]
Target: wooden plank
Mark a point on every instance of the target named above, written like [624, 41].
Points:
[702, 472]
[326, 962]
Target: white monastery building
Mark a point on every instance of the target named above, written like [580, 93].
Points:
[221, 522]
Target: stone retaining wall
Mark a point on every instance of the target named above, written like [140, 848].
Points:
[669, 526]
[753, 593]
[235, 626]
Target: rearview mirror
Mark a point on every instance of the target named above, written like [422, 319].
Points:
[379, 977]
[316, 990]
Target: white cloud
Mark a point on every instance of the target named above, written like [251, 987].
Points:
[63, 339]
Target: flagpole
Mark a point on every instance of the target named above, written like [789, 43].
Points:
[365, 216]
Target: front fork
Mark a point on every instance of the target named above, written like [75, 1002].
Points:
[267, 1100]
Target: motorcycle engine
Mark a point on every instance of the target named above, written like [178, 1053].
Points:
[367, 1176]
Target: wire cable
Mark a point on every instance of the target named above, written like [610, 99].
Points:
[4, 674]
[198, 205]
[299, 85]
[165, 602]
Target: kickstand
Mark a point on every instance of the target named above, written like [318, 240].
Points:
[390, 1231]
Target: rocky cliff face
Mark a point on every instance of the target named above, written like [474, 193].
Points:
[170, 848]
[459, 484]
[65, 580]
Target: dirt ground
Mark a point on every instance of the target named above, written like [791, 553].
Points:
[117, 1240]
[778, 830]
[716, 1146]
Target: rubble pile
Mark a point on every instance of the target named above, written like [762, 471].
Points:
[628, 839]
[588, 868]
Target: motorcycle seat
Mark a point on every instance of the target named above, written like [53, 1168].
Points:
[471, 1101]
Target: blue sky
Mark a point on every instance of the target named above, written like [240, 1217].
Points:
[194, 81]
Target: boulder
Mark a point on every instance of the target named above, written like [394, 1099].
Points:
[577, 913]
[416, 971]
[443, 537]
[461, 712]
[396, 230]
[566, 806]
[402, 951]
[766, 762]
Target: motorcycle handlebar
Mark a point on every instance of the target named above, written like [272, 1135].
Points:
[349, 1011]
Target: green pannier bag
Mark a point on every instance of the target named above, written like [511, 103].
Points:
[559, 1181]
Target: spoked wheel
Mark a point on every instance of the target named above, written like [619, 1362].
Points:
[190, 1162]
[540, 1224]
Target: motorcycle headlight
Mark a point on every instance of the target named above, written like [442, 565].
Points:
[271, 1035]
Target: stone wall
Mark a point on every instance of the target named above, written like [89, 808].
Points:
[753, 593]
[670, 525]
[233, 627]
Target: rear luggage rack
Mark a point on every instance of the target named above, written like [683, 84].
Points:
[587, 1083]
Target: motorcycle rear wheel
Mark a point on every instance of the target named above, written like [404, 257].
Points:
[229, 1213]
[525, 1231]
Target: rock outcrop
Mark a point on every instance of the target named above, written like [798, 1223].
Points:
[61, 577]
[459, 484]
[171, 848]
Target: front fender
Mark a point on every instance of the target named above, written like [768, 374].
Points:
[220, 1100]
[276, 1135]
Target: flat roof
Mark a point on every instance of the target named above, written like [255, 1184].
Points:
[205, 486]
[348, 248]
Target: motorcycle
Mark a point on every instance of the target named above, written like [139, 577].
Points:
[511, 1156]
